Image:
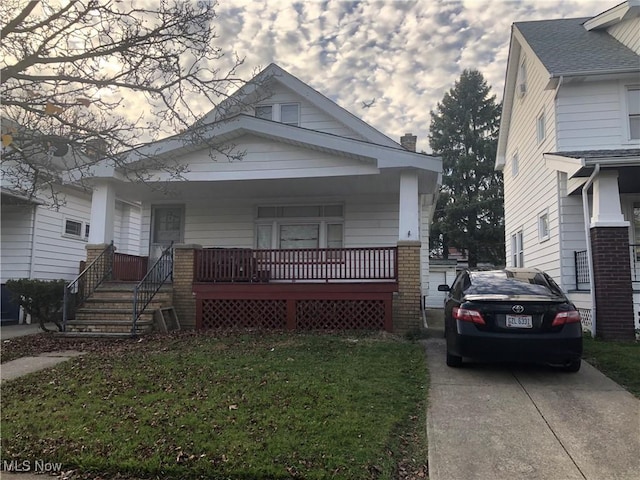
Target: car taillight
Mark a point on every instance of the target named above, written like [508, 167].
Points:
[467, 315]
[571, 316]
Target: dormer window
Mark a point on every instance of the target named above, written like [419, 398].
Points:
[287, 113]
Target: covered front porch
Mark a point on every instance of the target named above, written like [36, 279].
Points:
[602, 237]
[333, 252]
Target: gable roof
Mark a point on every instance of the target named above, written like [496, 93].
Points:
[227, 130]
[566, 48]
[251, 92]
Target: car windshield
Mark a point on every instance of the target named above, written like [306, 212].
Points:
[512, 283]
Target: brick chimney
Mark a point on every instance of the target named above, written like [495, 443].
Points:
[408, 141]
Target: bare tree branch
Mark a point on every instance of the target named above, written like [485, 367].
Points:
[97, 78]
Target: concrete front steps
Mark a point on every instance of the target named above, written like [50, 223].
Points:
[109, 312]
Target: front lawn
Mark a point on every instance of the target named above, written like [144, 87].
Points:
[240, 407]
[620, 361]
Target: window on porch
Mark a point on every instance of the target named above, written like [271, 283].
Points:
[299, 226]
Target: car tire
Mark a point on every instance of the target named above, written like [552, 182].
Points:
[573, 366]
[454, 361]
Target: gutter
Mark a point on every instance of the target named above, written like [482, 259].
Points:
[587, 231]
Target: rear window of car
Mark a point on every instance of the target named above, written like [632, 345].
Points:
[513, 283]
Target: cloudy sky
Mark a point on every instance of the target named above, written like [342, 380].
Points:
[404, 53]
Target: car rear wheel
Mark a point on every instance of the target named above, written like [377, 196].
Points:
[573, 366]
[454, 361]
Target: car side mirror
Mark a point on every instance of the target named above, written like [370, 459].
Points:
[444, 288]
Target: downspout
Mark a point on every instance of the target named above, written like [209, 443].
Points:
[587, 232]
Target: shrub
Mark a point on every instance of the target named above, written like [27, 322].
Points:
[42, 299]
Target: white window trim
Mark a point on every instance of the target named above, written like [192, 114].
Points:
[626, 128]
[83, 229]
[515, 164]
[541, 133]
[517, 251]
[541, 236]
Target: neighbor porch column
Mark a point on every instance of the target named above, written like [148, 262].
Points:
[611, 261]
[184, 300]
[103, 205]
[406, 303]
[409, 207]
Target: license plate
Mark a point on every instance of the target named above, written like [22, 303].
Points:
[519, 321]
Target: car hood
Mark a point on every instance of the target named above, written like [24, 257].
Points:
[511, 298]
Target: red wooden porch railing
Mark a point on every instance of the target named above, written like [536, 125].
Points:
[129, 268]
[317, 264]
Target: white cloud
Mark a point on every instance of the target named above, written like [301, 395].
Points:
[406, 54]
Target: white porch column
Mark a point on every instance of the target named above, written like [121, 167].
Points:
[409, 224]
[103, 205]
[606, 201]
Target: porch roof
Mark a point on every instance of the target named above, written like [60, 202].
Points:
[225, 131]
[581, 163]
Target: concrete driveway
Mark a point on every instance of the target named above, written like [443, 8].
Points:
[501, 421]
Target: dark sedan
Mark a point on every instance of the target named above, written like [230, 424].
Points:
[515, 314]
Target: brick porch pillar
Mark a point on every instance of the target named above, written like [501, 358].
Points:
[406, 304]
[184, 300]
[612, 280]
[93, 251]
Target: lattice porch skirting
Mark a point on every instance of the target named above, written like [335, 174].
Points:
[295, 306]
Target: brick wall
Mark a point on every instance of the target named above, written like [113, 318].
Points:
[184, 300]
[612, 279]
[93, 250]
[406, 304]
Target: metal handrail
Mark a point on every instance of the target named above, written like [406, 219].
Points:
[151, 283]
[99, 270]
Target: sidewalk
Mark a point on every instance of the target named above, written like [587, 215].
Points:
[505, 422]
[19, 330]
[25, 365]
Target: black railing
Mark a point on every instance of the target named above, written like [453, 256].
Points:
[582, 267]
[151, 283]
[75, 293]
[582, 270]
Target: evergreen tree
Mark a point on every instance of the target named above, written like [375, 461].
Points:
[470, 210]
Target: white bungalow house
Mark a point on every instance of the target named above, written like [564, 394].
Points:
[45, 239]
[569, 149]
[317, 224]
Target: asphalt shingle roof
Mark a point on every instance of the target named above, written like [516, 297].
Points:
[586, 154]
[565, 47]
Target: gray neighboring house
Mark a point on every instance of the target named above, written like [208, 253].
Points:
[569, 149]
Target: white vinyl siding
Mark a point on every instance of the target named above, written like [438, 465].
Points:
[627, 33]
[522, 205]
[269, 160]
[17, 233]
[369, 221]
[594, 116]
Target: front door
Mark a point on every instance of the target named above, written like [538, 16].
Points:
[167, 225]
